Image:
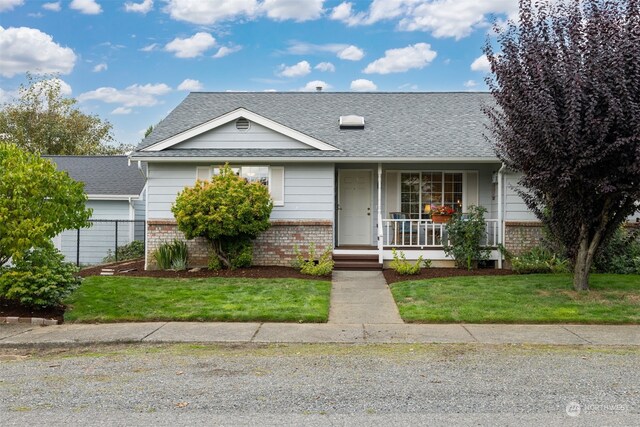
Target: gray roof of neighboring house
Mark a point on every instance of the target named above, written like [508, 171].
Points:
[102, 175]
[397, 125]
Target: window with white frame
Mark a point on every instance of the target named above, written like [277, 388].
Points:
[433, 188]
[270, 176]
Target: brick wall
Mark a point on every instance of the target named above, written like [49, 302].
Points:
[273, 247]
[519, 237]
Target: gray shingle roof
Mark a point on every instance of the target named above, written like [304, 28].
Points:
[102, 175]
[397, 125]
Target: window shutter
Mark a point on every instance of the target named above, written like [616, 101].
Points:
[203, 173]
[392, 196]
[276, 185]
[471, 190]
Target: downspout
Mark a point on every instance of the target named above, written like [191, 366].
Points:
[500, 212]
[380, 242]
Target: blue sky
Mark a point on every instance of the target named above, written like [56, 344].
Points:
[131, 62]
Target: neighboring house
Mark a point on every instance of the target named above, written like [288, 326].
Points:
[352, 171]
[116, 191]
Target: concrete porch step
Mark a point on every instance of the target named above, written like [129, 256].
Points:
[357, 265]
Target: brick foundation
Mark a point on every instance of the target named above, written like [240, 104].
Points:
[519, 237]
[273, 247]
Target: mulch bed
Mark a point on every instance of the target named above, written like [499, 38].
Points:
[10, 309]
[432, 273]
[136, 269]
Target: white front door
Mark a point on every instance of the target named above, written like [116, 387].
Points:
[354, 207]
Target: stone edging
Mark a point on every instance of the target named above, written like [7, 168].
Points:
[29, 320]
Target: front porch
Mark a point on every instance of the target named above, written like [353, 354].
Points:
[382, 207]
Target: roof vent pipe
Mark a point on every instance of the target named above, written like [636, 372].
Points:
[318, 88]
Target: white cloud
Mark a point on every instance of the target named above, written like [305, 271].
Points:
[297, 10]
[100, 67]
[224, 51]
[122, 111]
[481, 63]
[88, 7]
[149, 48]
[27, 49]
[191, 46]
[403, 59]
[53, 6]
[442, 18]
[351, 53]
[342, 51]
[325, 66]
[144, 7]
[211, 11]
[300, 69]
[363, 85]
[269, 90]
[7, 96]
[190, 85]
[133, 96]
[65, 88]
[454, 18]
[313, 85]
[470, 83]
[10, 4]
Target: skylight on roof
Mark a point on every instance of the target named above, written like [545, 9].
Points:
[351, 122]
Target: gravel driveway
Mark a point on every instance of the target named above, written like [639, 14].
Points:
[320, 385]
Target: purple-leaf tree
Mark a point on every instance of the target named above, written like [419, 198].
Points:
[566, 81]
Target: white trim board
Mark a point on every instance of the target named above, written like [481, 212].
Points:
[234, 115]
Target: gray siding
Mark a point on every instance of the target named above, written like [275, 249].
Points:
[227, 136]
[308, 189]
[514, 207]
[109, 209]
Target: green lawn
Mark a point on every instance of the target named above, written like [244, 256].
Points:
[536, 298]
[122, 299]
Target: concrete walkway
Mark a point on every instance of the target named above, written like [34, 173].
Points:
[361, 297]
[179, 332]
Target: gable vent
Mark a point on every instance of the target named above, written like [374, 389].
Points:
[351, 122]
[242, 124]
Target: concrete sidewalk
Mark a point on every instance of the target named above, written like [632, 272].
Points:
[181, 332]
[361, 297]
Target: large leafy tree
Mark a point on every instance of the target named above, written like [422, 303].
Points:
[566, 81]
[36, 202]
[41, 120]
[223, 210]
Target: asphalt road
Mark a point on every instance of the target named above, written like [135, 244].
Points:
[320, 385]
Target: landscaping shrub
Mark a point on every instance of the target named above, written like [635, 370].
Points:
[466, 233]
[539, 260]
[404, 267]
[132, 250]
[621, 254]
[172, 255]
[239, 252]
[323, 266]
[226, 211]
[39, 278]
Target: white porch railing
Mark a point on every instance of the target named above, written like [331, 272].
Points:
[424, 233]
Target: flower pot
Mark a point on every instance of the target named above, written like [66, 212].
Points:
[440, 219]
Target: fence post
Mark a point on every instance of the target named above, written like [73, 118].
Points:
[116, 249]
[78, 249]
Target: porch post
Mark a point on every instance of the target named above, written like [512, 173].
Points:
[500, 212]
[380, 241]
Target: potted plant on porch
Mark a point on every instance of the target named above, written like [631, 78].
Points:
[440, 214]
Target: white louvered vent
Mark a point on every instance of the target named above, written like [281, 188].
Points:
[242, 124]
[351, 122]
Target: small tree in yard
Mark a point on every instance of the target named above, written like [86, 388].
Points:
[36, 202]
[567, 87]
[225, 210]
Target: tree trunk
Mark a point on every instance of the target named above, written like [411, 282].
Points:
[581, 269]
[584, 257]
[217, 248]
